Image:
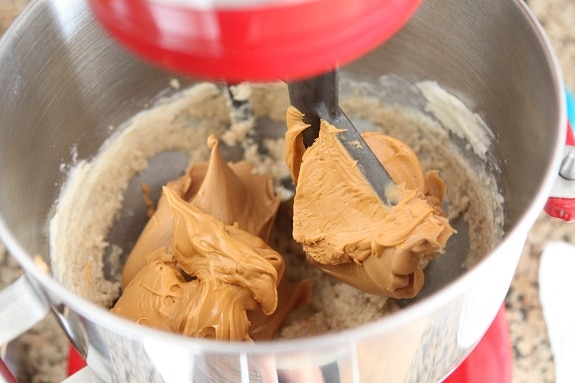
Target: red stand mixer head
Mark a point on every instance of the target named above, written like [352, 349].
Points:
[258, 40]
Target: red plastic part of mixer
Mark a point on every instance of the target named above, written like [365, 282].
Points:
[284, 41]
[75, 361]
[491, 360]
[6, 374]
[563, 208]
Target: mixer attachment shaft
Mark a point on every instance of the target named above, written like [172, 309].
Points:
[317, 99]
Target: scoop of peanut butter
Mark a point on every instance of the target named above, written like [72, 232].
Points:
[201, 266]
[344, 227]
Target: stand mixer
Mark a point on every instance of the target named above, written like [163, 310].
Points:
[464, 46]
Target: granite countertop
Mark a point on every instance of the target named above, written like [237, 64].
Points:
[44, 348]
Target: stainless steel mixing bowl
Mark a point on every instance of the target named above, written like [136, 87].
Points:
[64, 82]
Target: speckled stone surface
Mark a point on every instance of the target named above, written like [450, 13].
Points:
[43, 349]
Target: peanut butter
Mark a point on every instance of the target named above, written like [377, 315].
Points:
[346, 230]
[201, 266]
